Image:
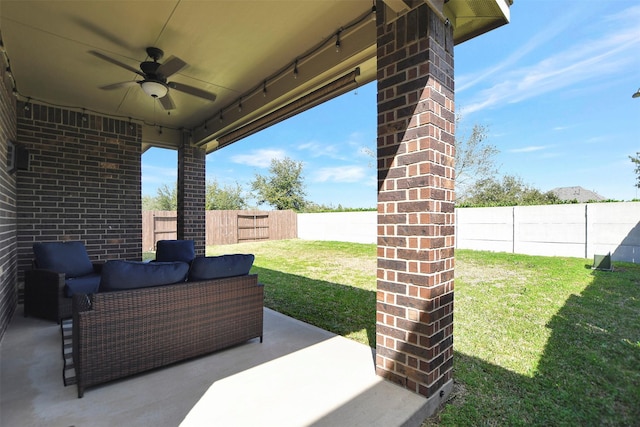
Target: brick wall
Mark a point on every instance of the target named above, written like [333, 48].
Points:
[83, 183]
[8, 260]
[191, 196]
[415, 202]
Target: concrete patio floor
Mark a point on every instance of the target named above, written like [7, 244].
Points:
[299, 376]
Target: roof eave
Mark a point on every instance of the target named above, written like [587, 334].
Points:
[472, 18]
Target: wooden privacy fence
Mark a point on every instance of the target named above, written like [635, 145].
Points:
[223, 227]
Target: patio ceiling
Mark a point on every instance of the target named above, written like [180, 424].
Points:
[234, 49]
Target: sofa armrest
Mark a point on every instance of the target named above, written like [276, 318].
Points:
[44, 294]
[39, 279]
[81, 303]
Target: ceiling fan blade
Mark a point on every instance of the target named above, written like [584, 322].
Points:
[167, 102]
[116, 62]
[119, 85]
[102, 32]
[171, 66]
[192, 91]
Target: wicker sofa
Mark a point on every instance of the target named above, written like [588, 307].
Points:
[122, 333]
[62, 268]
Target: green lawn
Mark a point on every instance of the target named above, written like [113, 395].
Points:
[538, 340]
[328, 284]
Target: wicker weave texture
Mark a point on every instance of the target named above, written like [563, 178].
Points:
[44, 295]
[117, 334]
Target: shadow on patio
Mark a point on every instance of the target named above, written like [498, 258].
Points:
[300, 375]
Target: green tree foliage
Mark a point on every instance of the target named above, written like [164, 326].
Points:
[283, 188]
[216, 198]
[228, 197]
[474, 159]
[510, 191]
[312, 207]
[636, 162]
[166, 199]
[148, 203]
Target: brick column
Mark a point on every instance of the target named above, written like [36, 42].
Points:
[415, 203]
[191, 196]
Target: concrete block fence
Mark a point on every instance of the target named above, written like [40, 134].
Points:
[357, 227]
[580, 230]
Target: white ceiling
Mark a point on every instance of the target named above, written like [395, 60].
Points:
[231, 48]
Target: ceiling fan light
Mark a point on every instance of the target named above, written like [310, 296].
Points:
[154, 89]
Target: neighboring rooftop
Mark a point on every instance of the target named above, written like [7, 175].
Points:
[580, 194]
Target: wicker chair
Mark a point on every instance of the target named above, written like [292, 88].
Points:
[60, 269]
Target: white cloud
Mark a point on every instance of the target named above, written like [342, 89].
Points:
[154, 177]
[548, 33]
[159, 174]
[343, 150]
[258, 158]
[551, 155]
[598, 139]
[340, 174]
[529, 149]
[319, 149]
[591, 61]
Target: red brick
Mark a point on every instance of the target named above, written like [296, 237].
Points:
[417, 186]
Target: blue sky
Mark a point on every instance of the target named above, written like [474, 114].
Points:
[553, 88]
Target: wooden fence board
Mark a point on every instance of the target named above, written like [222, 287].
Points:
[223, 227]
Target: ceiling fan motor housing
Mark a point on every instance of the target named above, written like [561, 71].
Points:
[155, 53]
[150, 68]
[155, 77]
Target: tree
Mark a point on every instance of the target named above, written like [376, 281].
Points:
[228, 197]
[474, 160]
[283, 188]
[510, 191]
[636, 161]
[166, 199]
[148, 203]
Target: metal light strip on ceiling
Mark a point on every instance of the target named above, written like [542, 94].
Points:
[331, 90]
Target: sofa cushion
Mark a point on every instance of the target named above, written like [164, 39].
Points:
[70, 258]
[175, 250]
[118, 275]
[88, 284]
[216, 267]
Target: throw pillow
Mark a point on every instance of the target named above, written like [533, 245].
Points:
[217, 267]
[118, 275]
[175, 250]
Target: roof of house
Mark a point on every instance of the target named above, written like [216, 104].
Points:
[580, 194]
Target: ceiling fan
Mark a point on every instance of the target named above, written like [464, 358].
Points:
[155, 76]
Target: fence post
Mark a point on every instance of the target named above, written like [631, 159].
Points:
[586, 230]
[513, 230]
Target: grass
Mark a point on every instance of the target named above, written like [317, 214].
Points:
[538, 340]
[328, 284]
[544, 341]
